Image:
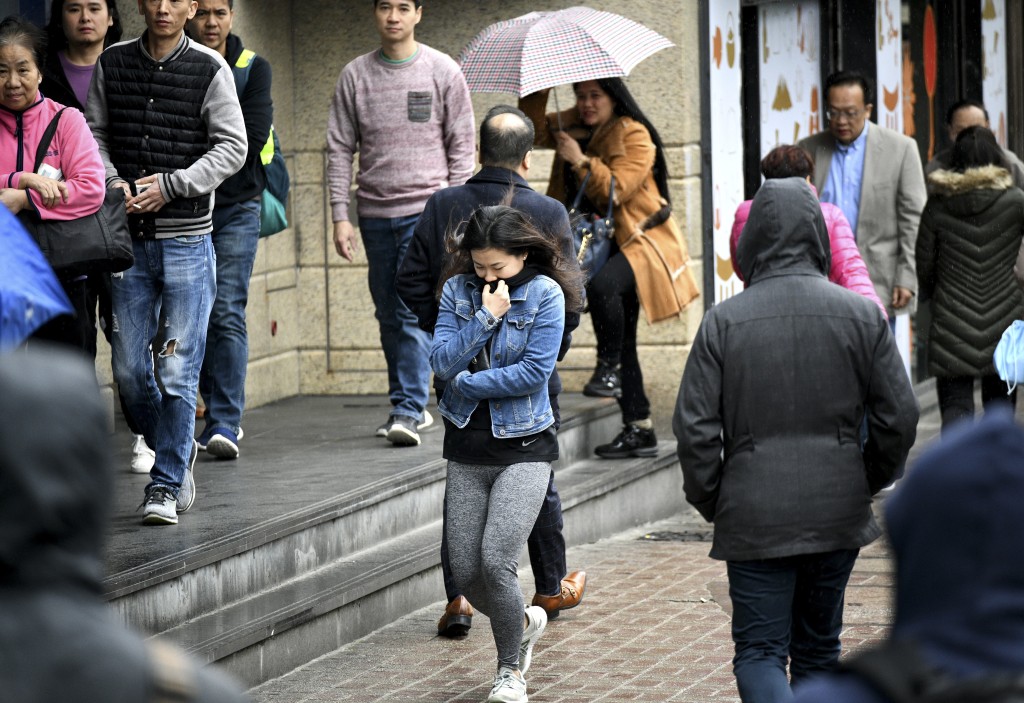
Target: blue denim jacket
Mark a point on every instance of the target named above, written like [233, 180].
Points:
[522, 356]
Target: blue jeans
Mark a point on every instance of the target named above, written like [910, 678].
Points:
[173, 282]
[786, 608]
[406, 347]
[236, 232]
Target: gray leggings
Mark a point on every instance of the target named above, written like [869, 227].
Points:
[491, 510]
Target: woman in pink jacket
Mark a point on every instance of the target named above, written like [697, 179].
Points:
[69, 183]
[848, 269]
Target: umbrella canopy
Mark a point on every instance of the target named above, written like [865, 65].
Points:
[30, 294]
[544, 49]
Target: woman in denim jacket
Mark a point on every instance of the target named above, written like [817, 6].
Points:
[499, 327]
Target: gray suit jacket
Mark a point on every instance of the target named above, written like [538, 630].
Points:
[892, 197]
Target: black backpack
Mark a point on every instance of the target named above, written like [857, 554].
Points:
[897, 671]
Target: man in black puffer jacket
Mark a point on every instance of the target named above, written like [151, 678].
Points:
[776, 388]
[170, 130]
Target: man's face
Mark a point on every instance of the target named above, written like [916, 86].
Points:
[166, 19]
[846, 112]
[965, 117]
[396, 19]
[212, 23]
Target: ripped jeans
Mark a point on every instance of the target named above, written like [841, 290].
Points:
[165, 300]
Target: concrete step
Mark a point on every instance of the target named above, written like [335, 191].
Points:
[213, 573]
[281, 628]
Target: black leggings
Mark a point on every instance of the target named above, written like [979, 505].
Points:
[615, 312]
[956, 396]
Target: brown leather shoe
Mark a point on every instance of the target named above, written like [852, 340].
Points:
[570, 597]
[457, 619]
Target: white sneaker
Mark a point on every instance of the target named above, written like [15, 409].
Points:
[538, 618]
[509, 687]
[426, 421]
[143, 457]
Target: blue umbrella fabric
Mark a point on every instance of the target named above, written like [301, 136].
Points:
[30, 295]
[544, 49]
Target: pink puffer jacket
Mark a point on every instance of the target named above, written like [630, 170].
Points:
[848, 269]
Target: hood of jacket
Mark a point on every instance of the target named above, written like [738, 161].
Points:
[785, 233]
[970, 192]
[957, 530]
[55, 479]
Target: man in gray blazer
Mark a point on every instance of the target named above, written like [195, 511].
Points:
[874, 176]
[971, 113]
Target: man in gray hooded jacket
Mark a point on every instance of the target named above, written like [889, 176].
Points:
[768, 420]
[59, 641]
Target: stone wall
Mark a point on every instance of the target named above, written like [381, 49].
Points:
[311, 323]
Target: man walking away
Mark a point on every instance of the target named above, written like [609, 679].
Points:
[166, 118]
[768, 420]
[236, 231]
[406, 110]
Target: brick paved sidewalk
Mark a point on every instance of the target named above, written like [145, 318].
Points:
[653, 626]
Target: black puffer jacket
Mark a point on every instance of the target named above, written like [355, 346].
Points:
[777, 384]
[969, 238]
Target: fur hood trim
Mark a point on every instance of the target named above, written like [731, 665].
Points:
[981, 178]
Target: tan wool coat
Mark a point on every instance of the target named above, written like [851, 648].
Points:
[623, 148]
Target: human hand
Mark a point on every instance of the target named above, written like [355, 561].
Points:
[497, 303]
[568, 148]
[149, 199]
[901, 297]
[50, 191]
[14, 199]
[345, 242]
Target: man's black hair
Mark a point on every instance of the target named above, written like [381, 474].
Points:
[849, 78]
[960, 105]
[417, 3]
[57, 41]
[508, 145]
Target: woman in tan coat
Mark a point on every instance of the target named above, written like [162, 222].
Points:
[607, 135]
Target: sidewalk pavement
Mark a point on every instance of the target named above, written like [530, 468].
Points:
[653, 626]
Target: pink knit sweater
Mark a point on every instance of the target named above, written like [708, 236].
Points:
[848, 269]
[412, 125]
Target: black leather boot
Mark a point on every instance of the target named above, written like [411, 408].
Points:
[632, 441]
[605, 382]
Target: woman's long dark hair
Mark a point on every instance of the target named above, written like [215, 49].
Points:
[57, 41]
[975, 147]
[627, 106]
[506, 229]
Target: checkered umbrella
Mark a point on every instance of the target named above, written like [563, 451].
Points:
[544, 49]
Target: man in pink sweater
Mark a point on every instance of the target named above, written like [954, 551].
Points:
[405, 108]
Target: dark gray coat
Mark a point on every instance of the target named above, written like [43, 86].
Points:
[776, 385]
[59, 640]
[969, 240]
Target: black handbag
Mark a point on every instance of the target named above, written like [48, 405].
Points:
[100, 242]
[592, 234]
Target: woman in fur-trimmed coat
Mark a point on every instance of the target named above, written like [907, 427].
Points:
[970, 234]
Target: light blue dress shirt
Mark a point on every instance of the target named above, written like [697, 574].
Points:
[842, 188]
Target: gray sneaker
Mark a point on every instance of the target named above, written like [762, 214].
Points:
[159, 507]
[538, 618]
[187, 490]
[426, 421]
[382, 431]
[402, 432]
[509, 687]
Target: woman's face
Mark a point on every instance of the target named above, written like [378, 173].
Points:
[86, 21]
[19, 77]
[594, 105]
[492, 264]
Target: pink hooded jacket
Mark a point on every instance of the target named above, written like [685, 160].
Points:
[73, 151]
[848, 269]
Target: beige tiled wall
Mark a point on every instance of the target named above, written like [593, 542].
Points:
[310, 316]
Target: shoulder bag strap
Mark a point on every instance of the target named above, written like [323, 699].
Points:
[579, 194]
[611, 199]
[44, 141]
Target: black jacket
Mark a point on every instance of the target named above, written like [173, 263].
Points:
[55, 85]
[258, 110]
[774, 392]
[59, 640]
[445, 213]
[970, 235]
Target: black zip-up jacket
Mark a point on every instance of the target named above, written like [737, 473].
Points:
[258, 111]
[56, 86]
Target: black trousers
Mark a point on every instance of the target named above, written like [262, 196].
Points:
[615, 312]
[956, 396]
